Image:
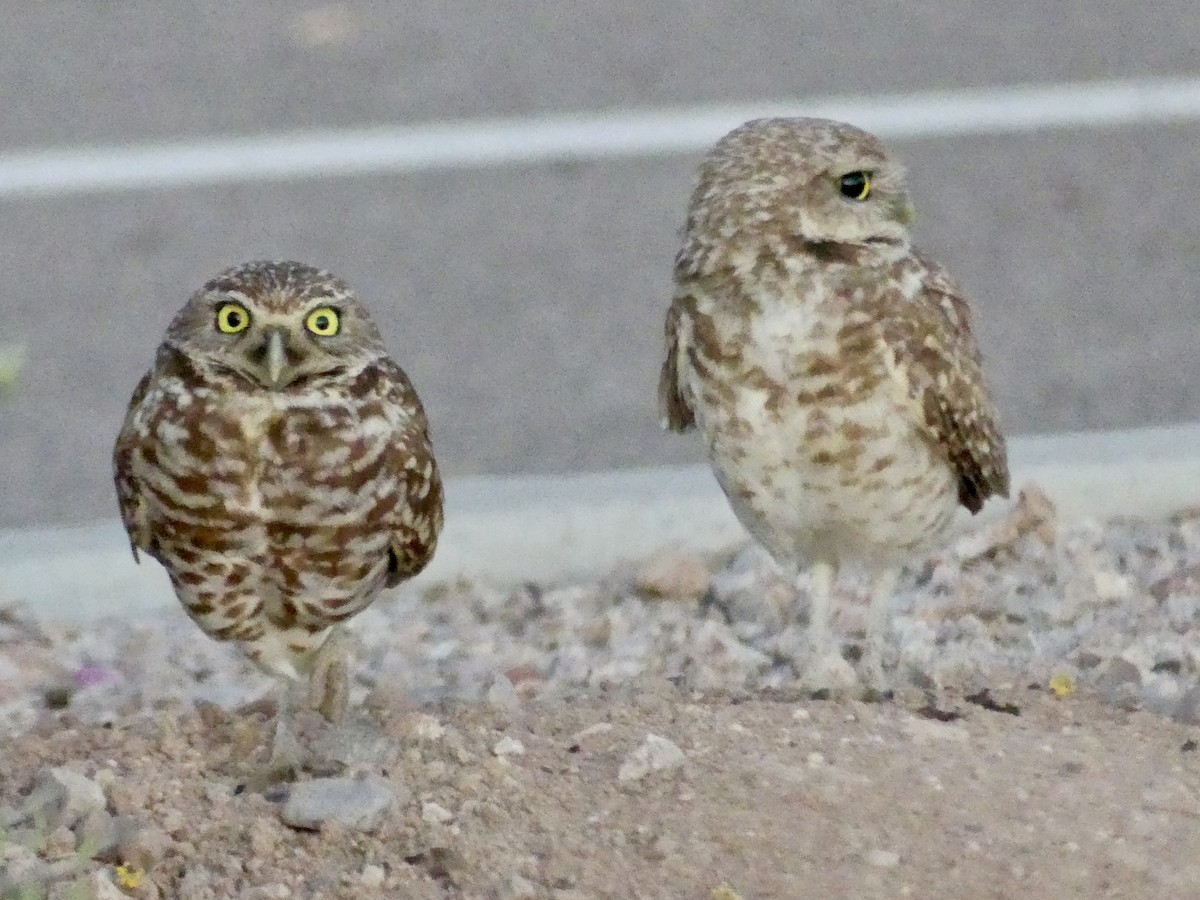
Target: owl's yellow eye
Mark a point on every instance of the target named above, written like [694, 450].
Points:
[856, 185]
[232, 318]
[323, 322]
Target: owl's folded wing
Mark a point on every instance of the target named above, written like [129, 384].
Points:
[943, 367]
[128, 493]
[674, 403]
[415, 520]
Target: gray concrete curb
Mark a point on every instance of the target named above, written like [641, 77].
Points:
[508, 530]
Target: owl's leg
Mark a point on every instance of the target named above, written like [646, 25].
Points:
[287, 754]
[826, 671]
[329, 678]
[882, 589]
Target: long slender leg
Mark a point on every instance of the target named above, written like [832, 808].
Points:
[882, 589]
[826, 669]
[287, 755]
[820, 637]
[329, 679]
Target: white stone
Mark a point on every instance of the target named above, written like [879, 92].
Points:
[357, 803]
[435, 813]
[883, 859]
[508, 746]
[656, 754]
[372, 876]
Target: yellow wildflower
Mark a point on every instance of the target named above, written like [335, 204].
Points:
[1062, 684]
[130, 877]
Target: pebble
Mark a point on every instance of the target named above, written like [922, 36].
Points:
[673, 576]
[521, 888]
[591, 730]
[883, 859]
[655, 754]
[143, 847]
[357, 803]
[63, 797]
[1119, 680]
[1188, 709]
[508, 746]
[372, 876]
[922, 731]
[435, 813]
[999, 603]
[356, 746]
[103, 887]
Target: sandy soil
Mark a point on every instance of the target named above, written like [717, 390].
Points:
[773, 798]
[637, 738]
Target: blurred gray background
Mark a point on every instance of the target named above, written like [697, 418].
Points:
[526, 302]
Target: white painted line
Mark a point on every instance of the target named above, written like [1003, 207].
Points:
[611, 135]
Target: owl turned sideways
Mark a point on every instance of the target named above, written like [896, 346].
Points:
[829, 367]
[277, 463]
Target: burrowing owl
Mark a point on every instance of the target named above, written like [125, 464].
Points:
[277, 462]
[829, 366]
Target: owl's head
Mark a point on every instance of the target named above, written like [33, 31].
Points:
[276, 324]
[814, 181]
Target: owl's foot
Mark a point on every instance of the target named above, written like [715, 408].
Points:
[329, 680]
[287, 759]
[288, 755]
[828, 675]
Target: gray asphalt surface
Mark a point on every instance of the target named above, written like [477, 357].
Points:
[527, 303]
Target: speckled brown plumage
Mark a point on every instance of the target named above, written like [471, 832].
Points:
[282, 477]
[829, 366]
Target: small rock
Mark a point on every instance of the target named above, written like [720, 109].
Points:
[656, 754]
[427, 728]
[585, 733]
[103, 887]
[508, 746]
[143, 847]
[521, 888]
[1117, 675]
[268, 892]
[356, 803]
[1187, 710]
[372, 876]
[502, 694]
[883, 859]
[1111, 587]
[435, 814]
[196, 883]
[1184, 581]
[99, 834]
[922, 731]
[63, 797]
[523, 673]
[18, 863]
[60, 842]
[673, 576]
[354, 746]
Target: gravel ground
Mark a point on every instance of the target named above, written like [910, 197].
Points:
[641, 737]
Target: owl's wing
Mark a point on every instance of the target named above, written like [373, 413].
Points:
[415, 521]
[128, 493]
[943, 366]
[674, 402]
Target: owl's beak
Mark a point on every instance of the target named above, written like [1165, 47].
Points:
[276, 356]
